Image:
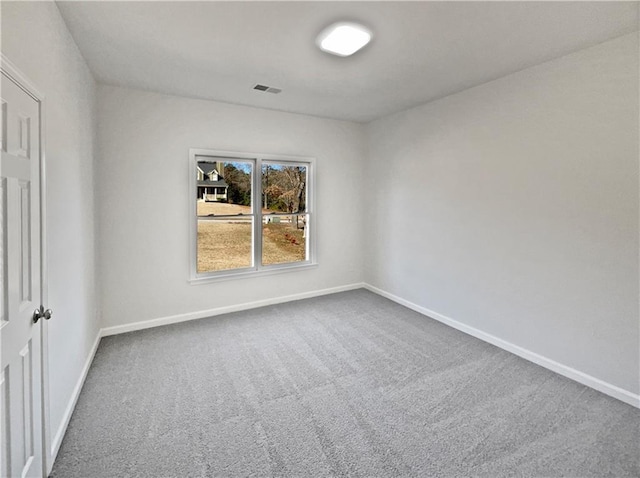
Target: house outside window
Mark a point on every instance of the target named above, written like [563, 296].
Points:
[251, 214]
[211, 184]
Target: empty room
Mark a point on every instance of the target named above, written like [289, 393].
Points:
[323, 238]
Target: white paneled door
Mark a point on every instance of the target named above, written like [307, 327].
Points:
[21, 388]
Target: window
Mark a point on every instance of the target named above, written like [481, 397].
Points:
[250, 213]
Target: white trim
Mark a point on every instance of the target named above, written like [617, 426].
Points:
[248, 273]
[20, 78]
[257, 269]
[564, 370]
[174, 319]
[580, 377]
[121, 329]
[44, 292]
[62, 429]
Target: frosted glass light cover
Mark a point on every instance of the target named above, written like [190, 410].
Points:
[343, 39]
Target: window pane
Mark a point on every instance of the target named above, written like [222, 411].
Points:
[224, 243]
[284, 239]
[224, 189]
[223, 182]
[284, 187]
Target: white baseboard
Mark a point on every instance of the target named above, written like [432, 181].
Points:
[564, 370]
[57, 440]
[120, 329]
[580, 377]
[174, 319]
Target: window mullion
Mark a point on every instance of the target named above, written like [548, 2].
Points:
[257, 214]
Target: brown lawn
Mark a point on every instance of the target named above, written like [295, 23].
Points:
[282, 243]
[226, 243]
[221, 209]
[223, 245]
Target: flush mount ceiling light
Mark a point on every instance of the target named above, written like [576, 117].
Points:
[343, 38]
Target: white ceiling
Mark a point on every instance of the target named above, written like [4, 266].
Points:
[421, 50]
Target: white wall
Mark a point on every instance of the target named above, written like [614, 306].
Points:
[143, 200]
[512, 207]
[35, 39]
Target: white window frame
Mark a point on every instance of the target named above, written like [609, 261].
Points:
[256, 209]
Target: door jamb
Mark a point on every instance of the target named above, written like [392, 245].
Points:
[27, 85]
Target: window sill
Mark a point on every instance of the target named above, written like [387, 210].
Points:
[223, 276]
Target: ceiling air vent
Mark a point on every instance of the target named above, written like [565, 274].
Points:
[267, 89]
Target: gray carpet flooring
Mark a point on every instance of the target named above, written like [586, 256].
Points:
[349, 384]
